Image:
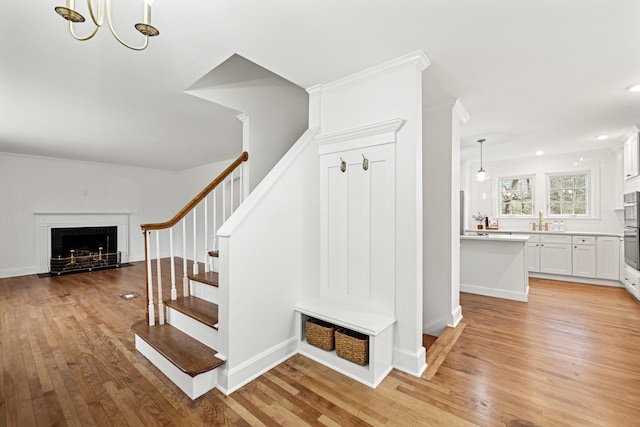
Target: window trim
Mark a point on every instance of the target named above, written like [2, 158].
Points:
[589, 193]
[532, 177]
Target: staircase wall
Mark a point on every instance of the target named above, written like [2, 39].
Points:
[269, 248]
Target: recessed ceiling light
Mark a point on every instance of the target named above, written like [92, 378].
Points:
[634, 88]
[539, 153]
[602, 137]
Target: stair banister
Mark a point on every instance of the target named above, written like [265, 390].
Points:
[194, 202]
[181, 215]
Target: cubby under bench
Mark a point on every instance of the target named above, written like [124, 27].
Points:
[378, 327]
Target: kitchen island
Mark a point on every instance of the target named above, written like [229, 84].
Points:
[495, 265]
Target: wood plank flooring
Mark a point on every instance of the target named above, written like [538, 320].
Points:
[569, 357]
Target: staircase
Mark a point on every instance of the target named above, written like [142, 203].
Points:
[180, 333]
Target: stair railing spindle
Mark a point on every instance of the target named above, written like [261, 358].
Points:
[231, 195]
[195, 237]
[215, 219]
[241, 191]
[159, 273]
[224, 200]
[147, 254]
[206, 235]
[174, 292]
[185, 276]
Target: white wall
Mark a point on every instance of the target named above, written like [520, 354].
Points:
[269, 258]
[275, 111]
[605, 167]
[31, 184]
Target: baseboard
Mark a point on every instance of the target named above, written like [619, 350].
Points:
[456, 317]
[574, 279]
[232, 378]
[21, 271]
[411, 363]
[497, 293]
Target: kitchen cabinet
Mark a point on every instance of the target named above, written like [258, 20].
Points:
[584, 256]
[608, 257]
[555, 254]
[533, 254]
[631, 156]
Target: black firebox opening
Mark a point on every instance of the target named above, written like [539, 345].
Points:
[83, 248]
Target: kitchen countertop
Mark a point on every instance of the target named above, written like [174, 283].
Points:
[570, 233]
[497, 237]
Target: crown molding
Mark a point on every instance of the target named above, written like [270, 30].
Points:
[418, 59]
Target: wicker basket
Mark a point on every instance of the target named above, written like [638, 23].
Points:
[320, 334]
[352, 346]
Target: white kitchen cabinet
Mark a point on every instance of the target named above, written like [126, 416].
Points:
[608, 257]
[533, 254]
[584, 256]
[631, 156]
[555, 254]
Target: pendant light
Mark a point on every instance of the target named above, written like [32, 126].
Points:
[482, 175]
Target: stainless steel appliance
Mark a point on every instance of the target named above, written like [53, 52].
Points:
[632, 229]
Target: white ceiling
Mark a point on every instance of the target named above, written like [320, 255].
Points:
[533, 74]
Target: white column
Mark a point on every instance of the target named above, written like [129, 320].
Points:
[441, 228]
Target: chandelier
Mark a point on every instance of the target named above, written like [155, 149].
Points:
[145, 28]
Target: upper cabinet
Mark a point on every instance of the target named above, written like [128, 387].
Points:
[631, 156]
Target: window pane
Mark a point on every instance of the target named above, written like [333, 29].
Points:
[568, 194]
[516, 196]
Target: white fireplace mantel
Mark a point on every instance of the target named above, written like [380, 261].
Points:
[48, 220]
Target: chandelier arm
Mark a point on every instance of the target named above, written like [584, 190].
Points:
[82, 39]
[99, 20]
[122, 42]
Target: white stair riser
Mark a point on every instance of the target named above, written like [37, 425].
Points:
[193, 387]
[215, 264]
[195, 329]
[204, 291]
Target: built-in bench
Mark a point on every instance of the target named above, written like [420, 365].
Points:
[379, 328]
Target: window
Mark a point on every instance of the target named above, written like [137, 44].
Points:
[568, 194]
[516, 196]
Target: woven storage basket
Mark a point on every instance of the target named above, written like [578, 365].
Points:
[352, 346]
[320, 334]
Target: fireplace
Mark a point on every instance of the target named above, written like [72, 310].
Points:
[75, 249]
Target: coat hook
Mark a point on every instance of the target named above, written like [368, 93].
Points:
[343, 165]
[365, 163]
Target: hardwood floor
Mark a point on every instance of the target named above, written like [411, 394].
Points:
[571, 356]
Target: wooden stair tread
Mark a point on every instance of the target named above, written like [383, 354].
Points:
[186, 353]
[214, 254]
[209, 278]
[201, 310]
